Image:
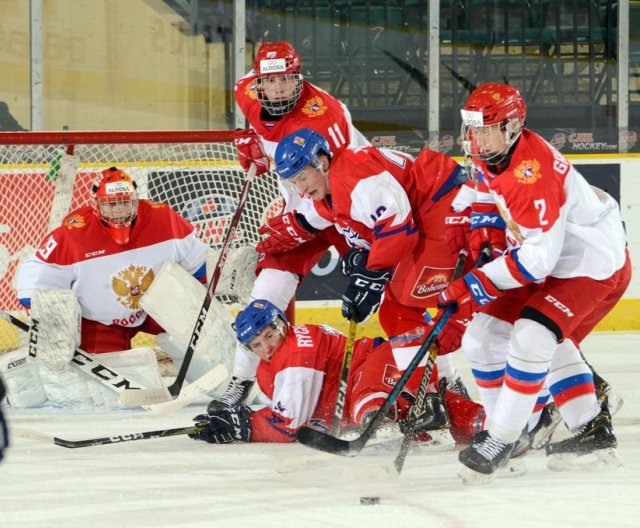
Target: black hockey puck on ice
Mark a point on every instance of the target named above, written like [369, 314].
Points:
[369, 500]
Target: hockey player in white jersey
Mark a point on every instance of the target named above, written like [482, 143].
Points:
[84, 286]
[565, 268]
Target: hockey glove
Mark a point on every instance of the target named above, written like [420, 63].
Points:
[457, 230]
[284, 233]
[225, 426]
[470, 292]
[487, 230]
[363, 295]
[354, 257]
[450, 337]
[250, 151]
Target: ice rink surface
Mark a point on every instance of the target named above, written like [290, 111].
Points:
[176, 482]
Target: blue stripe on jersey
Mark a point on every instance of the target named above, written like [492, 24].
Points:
[571, 381]
[379, 230]
[457, 177]
[26, 302]
[514, 255]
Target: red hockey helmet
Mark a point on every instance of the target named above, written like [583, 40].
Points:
[278, 84]
[115, 202]
[492, 111]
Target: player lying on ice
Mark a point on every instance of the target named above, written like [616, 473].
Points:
[565, 268]
[298, 374]
[84, 286]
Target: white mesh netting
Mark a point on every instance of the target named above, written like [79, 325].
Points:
[43, 176]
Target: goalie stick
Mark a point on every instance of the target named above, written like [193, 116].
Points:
[81, 360]
[116, 439]
[174, 389]
[417, 408]
[344, 375]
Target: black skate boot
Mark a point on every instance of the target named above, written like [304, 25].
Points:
[596, 437]
[235, 393]
[485, 455]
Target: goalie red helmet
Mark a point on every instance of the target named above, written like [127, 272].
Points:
[492, 120]
[115, 202]
[278, 84]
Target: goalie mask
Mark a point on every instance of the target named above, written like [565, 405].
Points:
[492, 120]
[115, 203]
[278, 84]
[261, 328]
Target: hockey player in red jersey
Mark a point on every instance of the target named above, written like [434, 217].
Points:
[391, 209]
[299, 372]
[101, 261]
[276, 101]
[564, 269]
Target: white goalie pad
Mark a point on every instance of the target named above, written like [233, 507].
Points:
[55, 327]
[238, 273]
[174, 300]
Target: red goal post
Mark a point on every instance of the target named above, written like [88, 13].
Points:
[44, 175]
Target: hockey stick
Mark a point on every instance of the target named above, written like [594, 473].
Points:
[117, 439]
[324, 442]
[174, 389]
[344, 375]
[188, 394]
[418, 408]
[81, 360]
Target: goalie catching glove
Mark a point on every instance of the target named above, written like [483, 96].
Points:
[284, 233]
[363, 295]
[250, 151]
[225, 426]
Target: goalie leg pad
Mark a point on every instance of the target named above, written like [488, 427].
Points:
[55, 327]
[174, 301]
[22, 380]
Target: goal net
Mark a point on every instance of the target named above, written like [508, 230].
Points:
[44, 175]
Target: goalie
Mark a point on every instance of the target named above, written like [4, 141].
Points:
[84, 287]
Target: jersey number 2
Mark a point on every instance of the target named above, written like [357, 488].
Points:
[541, 205]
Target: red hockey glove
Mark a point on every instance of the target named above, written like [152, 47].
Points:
[284, 233]
[457, 230]
[450, 337]
[471, 292]
[250, 151]
[487, 229]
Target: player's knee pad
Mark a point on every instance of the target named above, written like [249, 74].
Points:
[486, 340]
[22, 380]
[55, 327]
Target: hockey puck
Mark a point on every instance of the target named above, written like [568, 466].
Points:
[369, 500]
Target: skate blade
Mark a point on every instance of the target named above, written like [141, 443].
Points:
[543, 437]
[513, 468]
[614, 401]
[602, 459]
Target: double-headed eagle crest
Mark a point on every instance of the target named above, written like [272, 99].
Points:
[130, 284]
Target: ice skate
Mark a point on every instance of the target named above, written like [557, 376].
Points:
[482, 459]
[591, 447]
[456, 385]
[236, 393]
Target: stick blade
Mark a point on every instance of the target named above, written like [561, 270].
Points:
[327, 443]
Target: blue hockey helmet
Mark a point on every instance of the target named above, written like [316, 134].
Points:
[298, 150]
[255, 318]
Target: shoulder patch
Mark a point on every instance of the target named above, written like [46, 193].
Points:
[314, 107]
[74, 221]
[528, 171]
